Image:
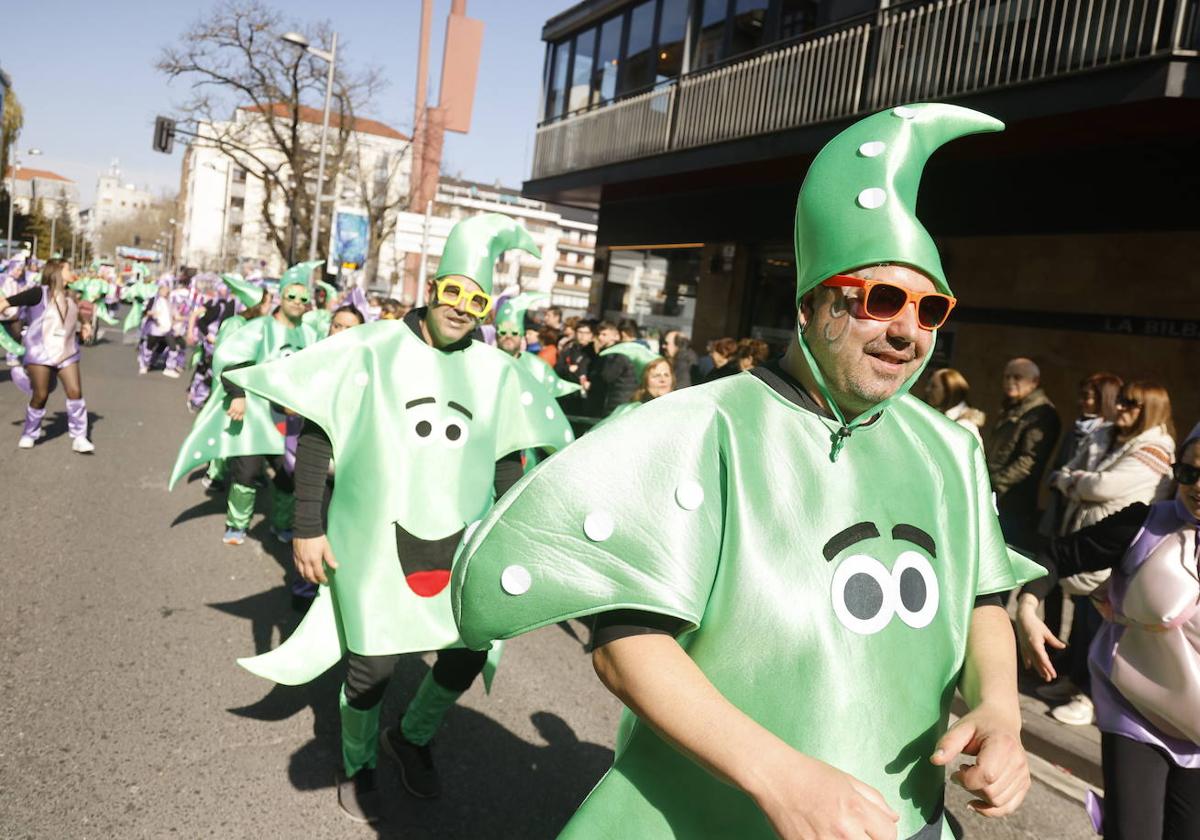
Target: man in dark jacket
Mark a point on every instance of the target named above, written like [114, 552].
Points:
[613, 377]
[1019, 449]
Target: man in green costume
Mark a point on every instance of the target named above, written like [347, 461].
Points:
[805, 563]
[244, 428]
[510, 338]
[425, 425]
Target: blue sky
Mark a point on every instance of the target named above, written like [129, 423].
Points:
[84, 72]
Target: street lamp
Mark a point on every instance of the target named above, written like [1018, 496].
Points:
[329, 56]
[12, 198]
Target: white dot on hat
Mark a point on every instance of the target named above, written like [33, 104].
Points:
[872, 148]
[598, 526]
[212, 441]
[197, 454]
[689, 495]
[871, 198]
[904, 112]
[567, 436]
[516, 580]
[549, 412]
[526, 398]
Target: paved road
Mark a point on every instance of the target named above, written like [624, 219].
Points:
[123, 715]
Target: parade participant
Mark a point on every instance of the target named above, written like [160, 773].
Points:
[1145, 658]
[422, 422]
[155, 333]
[325, 302]
[52, 351]
[244, 428]
[180, 299]
[509, 339]
[807, 553]
[11, 282]
[95, 290]
[137, 294]
[206, 321]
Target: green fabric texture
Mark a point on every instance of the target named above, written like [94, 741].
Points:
[730, 518]
[214, 434]
[319, 320]
[474, 244]
[555, 385]
[283, 509]
[360, 735]
[443, 419]
[428, 708]
[136, 294]
[637, 353]
[301, 274]
[512, 311]
[248, 293]
[857, 206]
[239, 506]
[216, 469]
[9, 344]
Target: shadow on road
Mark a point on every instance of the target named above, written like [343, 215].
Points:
[495, 783]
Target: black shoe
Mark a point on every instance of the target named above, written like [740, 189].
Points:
[357, 796]
[419, 776]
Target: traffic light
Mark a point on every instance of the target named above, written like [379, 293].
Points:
[164, 134]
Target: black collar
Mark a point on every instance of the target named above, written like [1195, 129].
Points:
[413, 321]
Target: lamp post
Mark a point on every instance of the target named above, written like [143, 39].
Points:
[329, 56]
[12, 199]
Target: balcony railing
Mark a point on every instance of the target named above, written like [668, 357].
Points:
[909, 52]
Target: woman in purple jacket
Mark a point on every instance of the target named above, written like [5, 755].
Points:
[52, 350]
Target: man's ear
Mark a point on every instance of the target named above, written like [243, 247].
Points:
[807, 304]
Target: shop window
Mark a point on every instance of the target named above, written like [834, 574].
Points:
[581, 70]
[608, 52]
[710, 37]
[560, 62]
[638, 70]
[672, 28]
[748, 26]
[656, 287]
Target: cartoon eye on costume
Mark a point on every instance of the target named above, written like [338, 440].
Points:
[863, 594]
[423, 420]
[286, 351]
[916, 589]
[455, 430]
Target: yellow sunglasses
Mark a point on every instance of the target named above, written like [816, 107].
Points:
[452, 292]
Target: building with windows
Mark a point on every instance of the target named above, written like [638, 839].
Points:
[222, 197]
[57, 195]
[566, 236]
[688, 125]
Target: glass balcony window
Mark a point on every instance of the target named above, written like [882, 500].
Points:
[560, 62]
[608, 53]
[672, 28]
[710, 38]
[749, 25]
[581, 70]
[638, 70]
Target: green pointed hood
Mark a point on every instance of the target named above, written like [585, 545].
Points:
[857, 206]
[330, 292]
[513, 310]
[300, 273]
[475, 243]
[245, 291]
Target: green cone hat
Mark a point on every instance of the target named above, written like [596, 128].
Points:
[330, 292]
[300, 273]
[245, 291]
[857, 206]
[513, 310]
[475, 243]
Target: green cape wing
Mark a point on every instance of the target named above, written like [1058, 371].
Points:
[637, 353]
[555, 385]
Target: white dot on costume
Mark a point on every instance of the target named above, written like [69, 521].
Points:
[567, 436]
[212, 441]
[871, 198]
[361, 379]
[598, 526]
[197, 454]
[904, 112]
[526, 398]
[689, 495]
[515, 580]
[872, 148]
[549, 412]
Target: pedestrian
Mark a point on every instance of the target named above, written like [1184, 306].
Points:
[345, 317]
[795, 557]
[51, 343]
[425, 425]
[1019, 449]
[724, 359]
[679, 352]
[615, 373]
[155, 332]
[1144, 661]
[658, 380]
[947, 391]
[548, 337]
[1121, 464]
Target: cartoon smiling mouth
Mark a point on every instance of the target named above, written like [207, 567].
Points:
[425, 563]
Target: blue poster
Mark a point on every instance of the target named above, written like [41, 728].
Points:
[351, 234]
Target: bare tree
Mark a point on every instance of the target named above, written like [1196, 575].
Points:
[377, 184]
[234, 59]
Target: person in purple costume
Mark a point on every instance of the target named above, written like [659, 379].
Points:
[156, 329]
[180, 299]
[1150, 731]
[52, 351]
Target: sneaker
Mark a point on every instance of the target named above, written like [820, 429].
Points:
[234, 536]
[171, 373]
[417, 773]
[26, 442]
[83, 446]
[142, 371]
[1079, 712]
[357, 795]
[1059, 691]
[284, 535]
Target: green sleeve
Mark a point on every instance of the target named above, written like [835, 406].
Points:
[1001, 567]
[629, 517]
[241, 346]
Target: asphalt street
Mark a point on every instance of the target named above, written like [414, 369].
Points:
[124, 715]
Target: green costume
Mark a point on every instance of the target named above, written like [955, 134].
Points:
[824, 597]
[513, 310]
[639, 354]
[321, 318]
[136, 294]
[10, 345]
[94, 290]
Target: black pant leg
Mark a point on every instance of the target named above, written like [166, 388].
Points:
[1135, 788]
[246, 468]
[367, 678]
[1182, 817]
[457, 668]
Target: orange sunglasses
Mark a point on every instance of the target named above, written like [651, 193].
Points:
[884, 301]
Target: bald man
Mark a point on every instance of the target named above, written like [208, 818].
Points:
[1019, 449]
